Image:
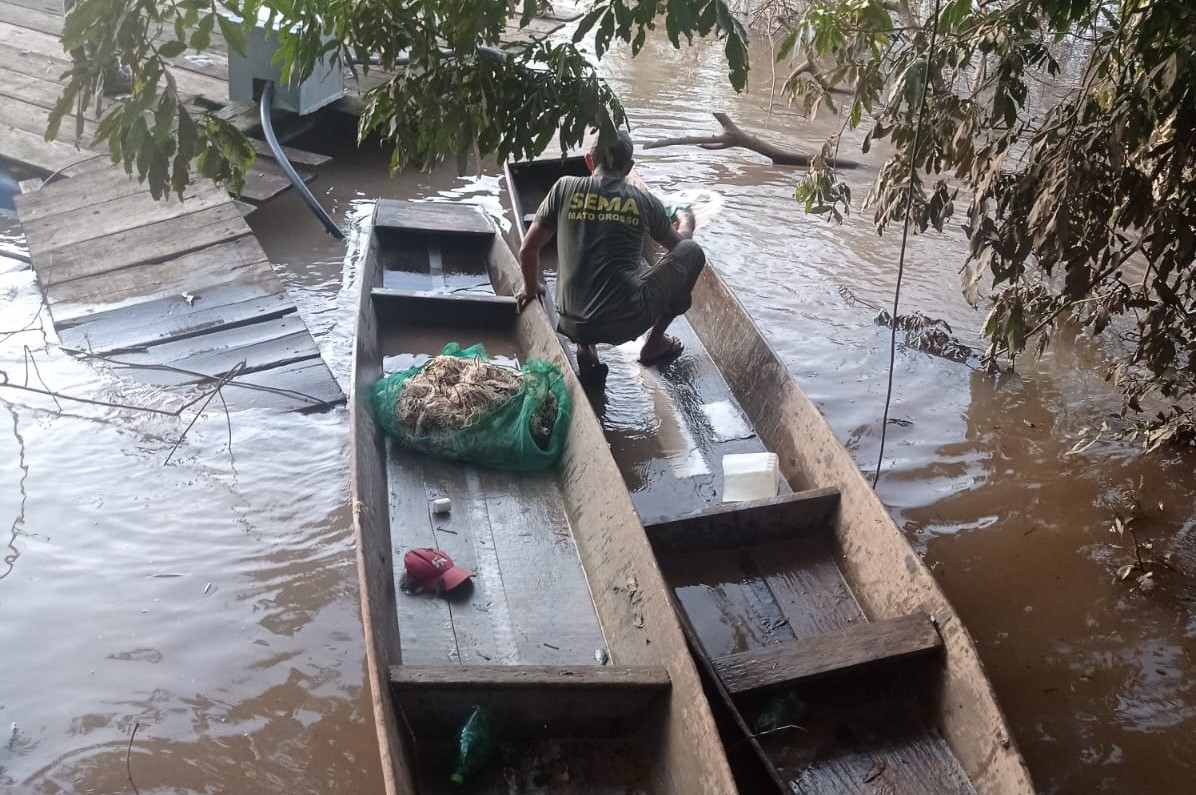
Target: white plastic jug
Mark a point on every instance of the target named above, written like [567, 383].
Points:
[750, 476]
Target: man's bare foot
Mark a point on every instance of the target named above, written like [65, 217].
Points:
[659, 348]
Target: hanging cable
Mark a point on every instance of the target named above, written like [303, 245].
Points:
[909, 204]
[268, 128]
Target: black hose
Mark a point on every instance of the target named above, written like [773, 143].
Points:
[266, 102]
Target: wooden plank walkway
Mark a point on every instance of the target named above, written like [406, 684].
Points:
[32, 60]
[180, 292]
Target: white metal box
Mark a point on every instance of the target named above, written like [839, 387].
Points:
[249, 72]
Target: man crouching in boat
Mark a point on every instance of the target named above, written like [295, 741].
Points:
[605, 291]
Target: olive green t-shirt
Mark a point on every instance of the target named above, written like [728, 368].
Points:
[601, 225]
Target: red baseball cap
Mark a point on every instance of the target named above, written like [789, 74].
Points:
[433, 569]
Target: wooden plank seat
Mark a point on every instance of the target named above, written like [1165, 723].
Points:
[467, 311]
[443, 217]
[529, 700]
[844, 650]
[745, 524]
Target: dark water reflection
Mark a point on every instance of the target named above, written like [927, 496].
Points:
[213, 601]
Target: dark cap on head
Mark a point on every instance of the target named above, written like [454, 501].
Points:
[617, 156]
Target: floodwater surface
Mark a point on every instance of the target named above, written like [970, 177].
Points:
[211, 603]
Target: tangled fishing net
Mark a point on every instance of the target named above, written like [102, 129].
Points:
[460, 405]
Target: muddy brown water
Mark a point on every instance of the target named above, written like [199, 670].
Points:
[211, 603]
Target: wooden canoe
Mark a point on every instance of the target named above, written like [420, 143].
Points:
[565, 579]
[815, 593]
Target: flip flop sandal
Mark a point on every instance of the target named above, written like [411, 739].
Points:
[592, 374]
[671, 352]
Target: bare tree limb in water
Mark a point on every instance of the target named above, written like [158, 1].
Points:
[129, 759]
[734, 136]
[167, 368]
[229, 376]
[12, 553]
[206, 398]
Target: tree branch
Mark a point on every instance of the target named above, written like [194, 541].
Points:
[734, 136]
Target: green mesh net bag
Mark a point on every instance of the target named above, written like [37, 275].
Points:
[461, 406]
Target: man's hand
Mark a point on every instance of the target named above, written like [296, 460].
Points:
[684, 223]
[526, 295]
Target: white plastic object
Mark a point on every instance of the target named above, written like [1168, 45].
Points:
[442, 505]
[750, 476]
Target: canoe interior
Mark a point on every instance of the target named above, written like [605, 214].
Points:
[668, 428]
[528, 607]
[873, 717]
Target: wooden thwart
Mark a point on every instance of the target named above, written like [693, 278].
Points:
[441, 309]
[433, 217]
[745, 524]
[529, 700]
[833, 652]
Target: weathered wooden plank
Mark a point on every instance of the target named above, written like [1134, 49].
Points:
[195, 75]
[265, 179]
[426, 624]
[298, 157]
[804, 578]
[20, 61]
[865, 736]
[68, 197]
[487, 628]
[446, 309]
[260, 346]
[174, 318]
[40, 90]
[13, 12]
[375, 547]
[412, 216]
[122, 214]
[745, 524]
[51, 7]
[302, 386]
[25, 115]
[237, 261]
[841, 651]
[545, 584]
[32, 148]
[530, 700]
[154, 242]
[245, 116]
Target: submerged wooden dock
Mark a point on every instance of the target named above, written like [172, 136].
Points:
[179, 291]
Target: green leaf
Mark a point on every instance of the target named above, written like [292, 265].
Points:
[202, 36]
[605, 32]
[638, 43]
[587, 22]
[233, 33]
[187, 133]
[65, 103]
[172, 49]
[81, 20]
[737, 59]
[787, 45]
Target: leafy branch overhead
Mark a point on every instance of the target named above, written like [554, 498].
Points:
[1070, 128]
[461, 87]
